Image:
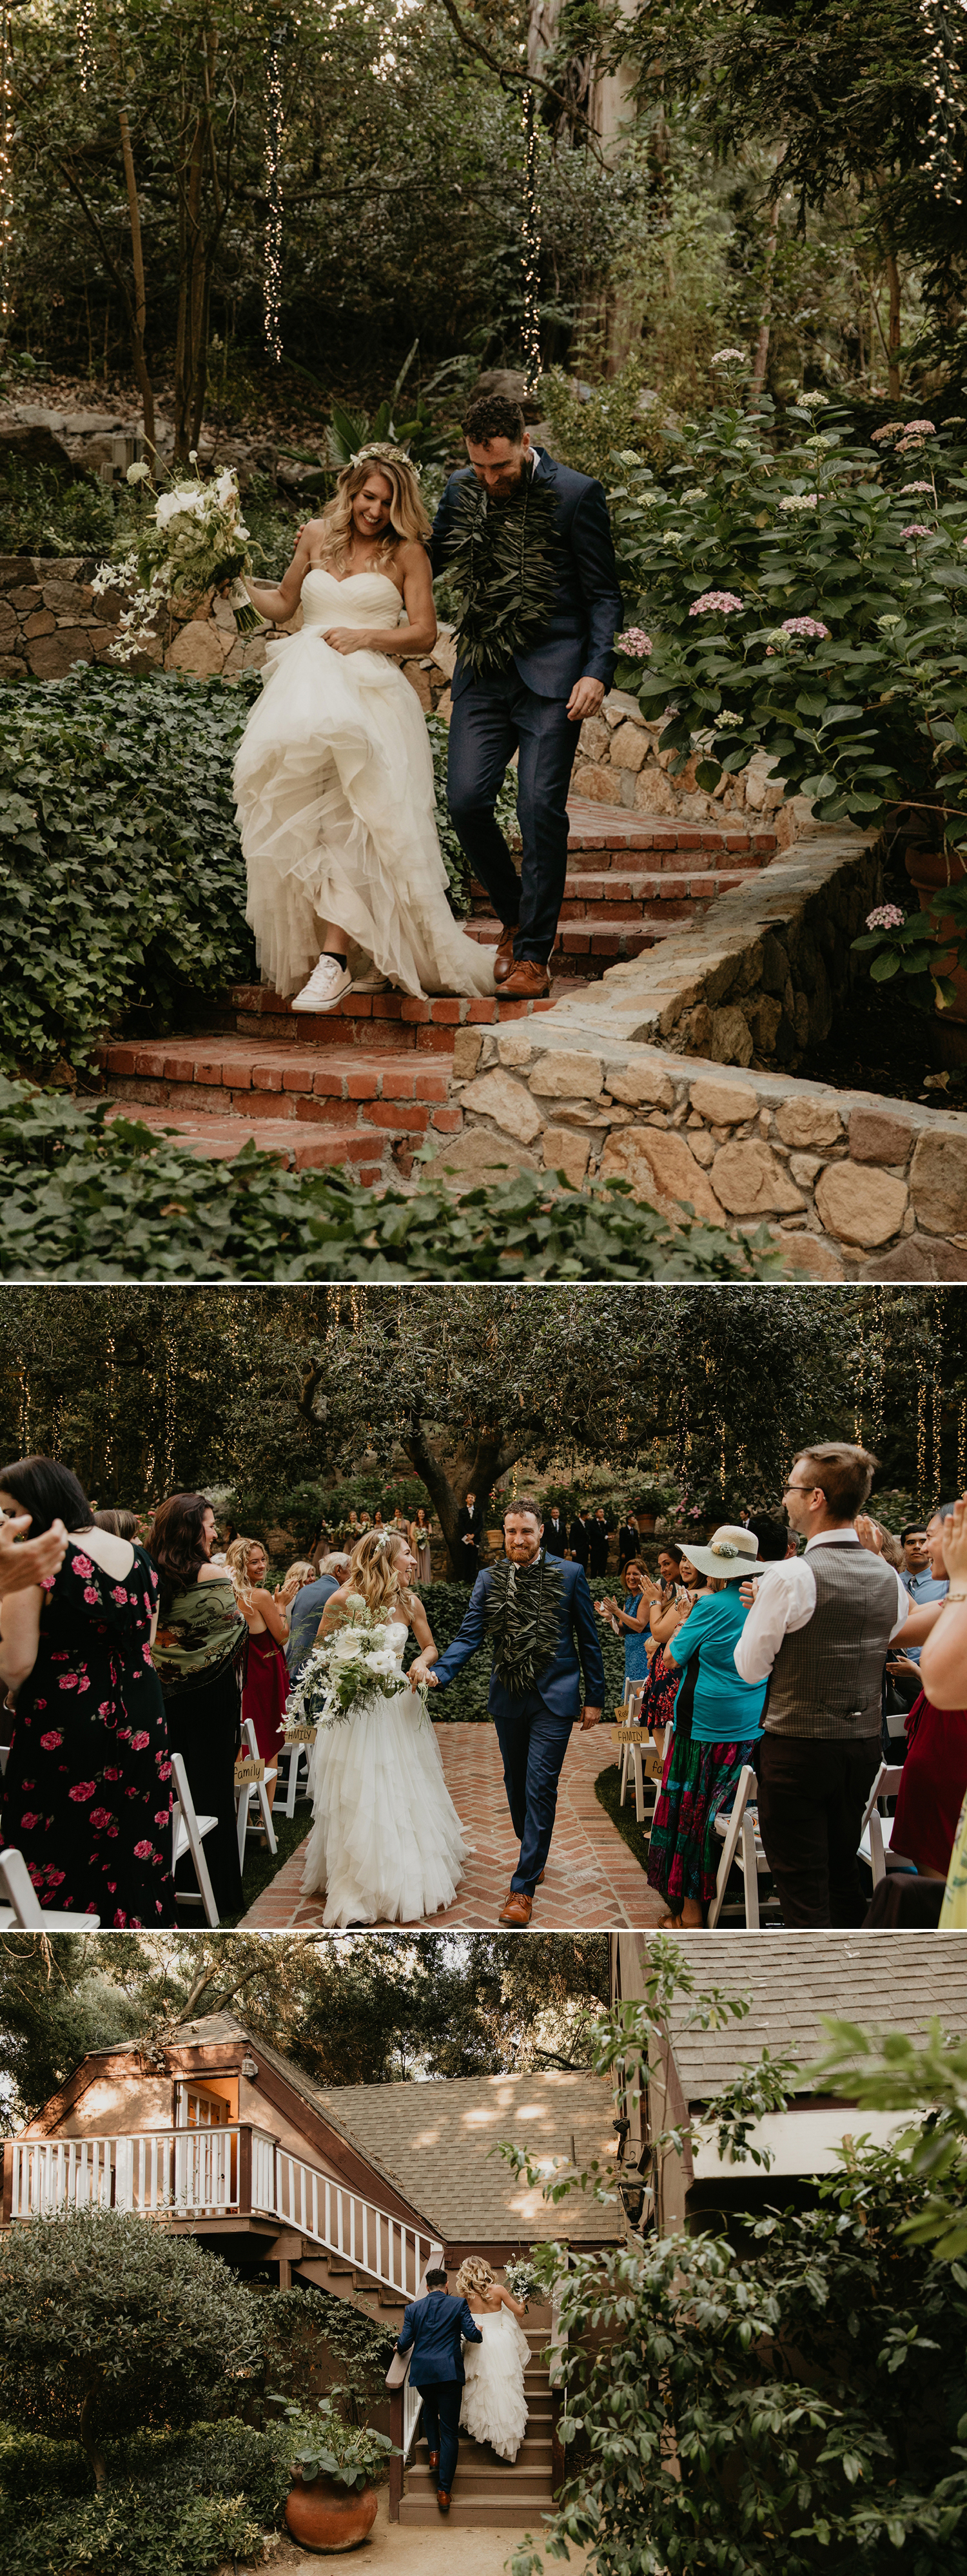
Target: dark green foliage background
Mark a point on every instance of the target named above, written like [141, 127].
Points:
[175, 2503]
[465, 1698]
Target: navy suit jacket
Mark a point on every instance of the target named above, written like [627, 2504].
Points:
[559, 1686]
[579, 642]
[434, 2326]
[304, 1617]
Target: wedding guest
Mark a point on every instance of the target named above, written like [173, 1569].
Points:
[628, 1540]
[308, 1607]
[468, 1537]
[86, 1797]
[724, 1719]
[555, 1534]
[632, 1622]
[419, 1535]
[579, 1538]
[122, 1524]
[818, 1633]
[920, 1582]
[944, 1670]
[25, 1561]
[266, 1617]
[599, 1537]
[934, 1779]
[199, 1654]
[681, 1584]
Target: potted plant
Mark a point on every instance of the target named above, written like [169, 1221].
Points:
[336, 2468]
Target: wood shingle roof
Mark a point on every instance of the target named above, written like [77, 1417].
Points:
[897, 1981]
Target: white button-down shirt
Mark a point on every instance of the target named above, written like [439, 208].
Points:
[786, 1602]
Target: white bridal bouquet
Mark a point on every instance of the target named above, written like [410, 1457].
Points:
[522, 2280]
[352, 1666]
[192, 541]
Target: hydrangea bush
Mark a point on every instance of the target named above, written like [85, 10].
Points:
[796, 607]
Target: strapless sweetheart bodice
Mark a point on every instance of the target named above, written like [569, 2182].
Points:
[360, 600]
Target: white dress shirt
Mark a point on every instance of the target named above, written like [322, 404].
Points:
[786, 1602]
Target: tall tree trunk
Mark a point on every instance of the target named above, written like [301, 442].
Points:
[893, 336]
[761, 359]
[467, 1472]
[137, 316]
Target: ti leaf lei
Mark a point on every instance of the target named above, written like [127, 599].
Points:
[523, 1620]
[502, 561]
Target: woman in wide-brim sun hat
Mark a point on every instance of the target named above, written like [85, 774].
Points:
[717, 1717]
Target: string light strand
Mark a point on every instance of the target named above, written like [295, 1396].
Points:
[272, 271]
[943, 23]
[531, 240]
[85, 42]
[6, 174]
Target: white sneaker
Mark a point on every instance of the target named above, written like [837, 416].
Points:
[326, 986]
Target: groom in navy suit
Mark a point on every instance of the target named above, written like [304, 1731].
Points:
[433, 2328]
[536, 706]
[539, 1615]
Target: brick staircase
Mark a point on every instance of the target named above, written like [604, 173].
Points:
[488, 2493]
[365, 1084]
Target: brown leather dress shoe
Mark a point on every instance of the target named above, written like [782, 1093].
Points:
[434, 2460]
[528, 982]
[504, 953]
[443, 2500]
[518, 1909]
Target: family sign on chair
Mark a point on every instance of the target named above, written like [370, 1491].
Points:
[334, 785]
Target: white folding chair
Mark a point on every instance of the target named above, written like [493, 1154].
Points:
[257, 1789]
[4, 1758]
[187, 1831]
[294, 1756]
[876, 1831]
[739, 1831]
[24, 1911]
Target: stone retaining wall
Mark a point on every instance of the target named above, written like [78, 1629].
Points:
[619, 763]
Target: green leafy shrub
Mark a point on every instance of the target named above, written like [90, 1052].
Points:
[464, 1701]
[84, 1198]
[324, 2445]
[808, 604]
[43, 513]
[121, 875]
[108, 2324]
[178, 2502]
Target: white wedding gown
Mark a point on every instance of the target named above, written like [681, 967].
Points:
[493, 2407]
[334, 793]
[386, 1843]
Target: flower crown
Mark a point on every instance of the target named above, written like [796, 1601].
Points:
[381, 451]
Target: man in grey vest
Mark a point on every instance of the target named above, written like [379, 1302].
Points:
[818, 1632]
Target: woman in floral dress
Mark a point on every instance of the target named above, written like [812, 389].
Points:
[87, 1794]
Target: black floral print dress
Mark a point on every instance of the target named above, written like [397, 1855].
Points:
[87, 1794]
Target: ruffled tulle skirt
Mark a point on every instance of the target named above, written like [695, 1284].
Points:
[493, 2407]
[334, 790]
[386, 1843]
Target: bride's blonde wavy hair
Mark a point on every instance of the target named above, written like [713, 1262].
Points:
[474, 2274]
[408, 518]
[372, 1570]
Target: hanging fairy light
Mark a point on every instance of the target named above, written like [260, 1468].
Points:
[6, 171]
[272, 269]
[531, 242]
[962, 1446]
[85, 41]
[944, 25]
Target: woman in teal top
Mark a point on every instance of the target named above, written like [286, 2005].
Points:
[717, 1718]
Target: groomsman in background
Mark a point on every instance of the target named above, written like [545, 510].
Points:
[468, 1537]
[600, 1540]
[555, 1534]
[628, 1540]
[579, 1539]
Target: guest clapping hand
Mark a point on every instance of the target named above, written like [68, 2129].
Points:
[27, 1561]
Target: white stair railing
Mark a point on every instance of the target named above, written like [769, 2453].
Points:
[204, 2173]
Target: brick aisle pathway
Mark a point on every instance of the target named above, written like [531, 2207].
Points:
[593, 1881]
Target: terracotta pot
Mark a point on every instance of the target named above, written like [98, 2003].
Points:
[930, 871]
[646, 1523]
[326, 2517]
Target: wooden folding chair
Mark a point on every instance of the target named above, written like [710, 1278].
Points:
[876, 1831]
[23, 1910]
[740, 1843]
[187, 1831]
[257, 1789]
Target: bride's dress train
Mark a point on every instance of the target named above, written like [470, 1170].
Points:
[386, 1843]
[334, 790]
[493, 2407]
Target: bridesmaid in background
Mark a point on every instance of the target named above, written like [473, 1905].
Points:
[266, 1616]
[419, 1536]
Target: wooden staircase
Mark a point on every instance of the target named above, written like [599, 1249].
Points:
[364, 1085]
[488, 2493]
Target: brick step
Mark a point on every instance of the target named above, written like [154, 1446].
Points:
[625, 894]
[297, 1149]
[228, 1077]
[674, 850]
[615, 827]
[390, 1023]
[505, 2511]
[583, 948]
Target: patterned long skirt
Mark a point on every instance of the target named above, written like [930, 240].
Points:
[685, 1850]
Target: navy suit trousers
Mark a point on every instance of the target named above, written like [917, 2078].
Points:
[532, 1746]
[491, 719]
[441, 2420]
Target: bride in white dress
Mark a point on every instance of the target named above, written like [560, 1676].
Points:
[493, 2407]
[334, 774]
[386, 1842]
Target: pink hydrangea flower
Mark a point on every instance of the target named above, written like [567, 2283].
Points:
[887, 916]
[635, 643]
[920, 429]
[82, 1790]
[715, 599]
[915, 487]
[804, 626]
[50, 1742]
[82, 1566]
[890, 429]
[915, 530]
